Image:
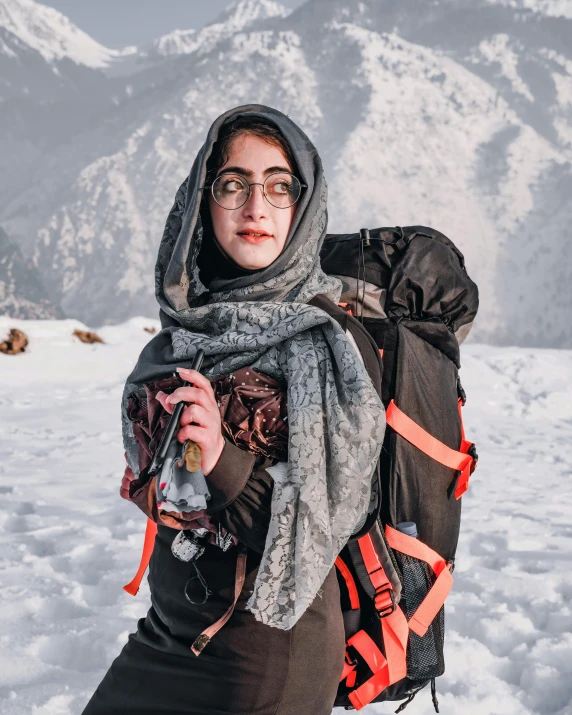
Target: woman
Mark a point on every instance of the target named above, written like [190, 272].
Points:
[238, 275]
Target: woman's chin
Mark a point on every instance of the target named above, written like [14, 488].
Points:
[255, 257]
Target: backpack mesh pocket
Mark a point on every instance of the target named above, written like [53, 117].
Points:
[424, 653]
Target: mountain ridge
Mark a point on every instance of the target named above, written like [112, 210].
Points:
[443, 133]
[22, 293]
[52, 34]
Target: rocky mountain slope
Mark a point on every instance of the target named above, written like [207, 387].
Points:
[22, 294]
[454, 114]
[51, 88]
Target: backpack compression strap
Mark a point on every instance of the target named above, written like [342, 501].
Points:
[392, 667]
[435, 598]
[464, 460]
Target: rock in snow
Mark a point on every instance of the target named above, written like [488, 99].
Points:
[69, 542]
[453, 114]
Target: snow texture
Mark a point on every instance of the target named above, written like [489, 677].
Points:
[69, 542]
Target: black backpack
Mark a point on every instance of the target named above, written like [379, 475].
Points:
[410, 290]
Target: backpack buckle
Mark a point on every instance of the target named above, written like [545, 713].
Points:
[352, 662]
[384, 602]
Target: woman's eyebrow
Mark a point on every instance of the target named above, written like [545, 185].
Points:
[249, 173]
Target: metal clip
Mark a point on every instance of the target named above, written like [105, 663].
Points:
[186, 546]
[223, 541]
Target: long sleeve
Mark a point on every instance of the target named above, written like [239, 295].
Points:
[241, 494]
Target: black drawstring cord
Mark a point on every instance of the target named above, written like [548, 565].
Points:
[363, 281]
[402, 707]
[434, 695]
[364, 241]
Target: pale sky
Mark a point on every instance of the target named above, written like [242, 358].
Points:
[117, 23]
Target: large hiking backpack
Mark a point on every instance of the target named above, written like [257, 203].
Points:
[409, 288]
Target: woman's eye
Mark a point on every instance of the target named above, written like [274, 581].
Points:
[281, 187]
[231, 186]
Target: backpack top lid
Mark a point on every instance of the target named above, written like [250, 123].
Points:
[421, 271]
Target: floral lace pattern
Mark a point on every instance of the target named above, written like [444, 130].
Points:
[336, 418]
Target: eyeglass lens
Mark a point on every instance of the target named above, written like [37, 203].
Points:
[231, 190]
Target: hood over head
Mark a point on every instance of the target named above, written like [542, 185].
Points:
[295, 274]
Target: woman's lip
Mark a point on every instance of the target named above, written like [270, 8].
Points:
[254, 239]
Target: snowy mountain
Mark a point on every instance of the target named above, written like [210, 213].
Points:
[554, 8]
[22, 294]
[243, 13]
[178, 42]
[51, 88]
[236, 17]
[454, 114]
[50, 33]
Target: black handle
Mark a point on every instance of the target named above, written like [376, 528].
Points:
[173, 423]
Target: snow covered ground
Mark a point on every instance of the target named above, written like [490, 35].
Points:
[69, 543]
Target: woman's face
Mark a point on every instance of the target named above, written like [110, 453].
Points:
[254, 159]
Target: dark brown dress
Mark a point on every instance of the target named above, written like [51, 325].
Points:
[248, 668]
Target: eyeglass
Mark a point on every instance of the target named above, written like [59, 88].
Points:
[231, 191]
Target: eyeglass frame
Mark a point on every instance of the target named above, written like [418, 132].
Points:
[210, 186]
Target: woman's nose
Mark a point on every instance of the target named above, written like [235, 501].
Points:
[256, 206]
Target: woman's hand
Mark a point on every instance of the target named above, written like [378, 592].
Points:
[200, 421]
[128, 477]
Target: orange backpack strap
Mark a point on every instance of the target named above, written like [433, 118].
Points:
[349, 673]
[393, 621]
[463, 460]
[350, 582]
[466, 448]
[148, 544]
[391, 667]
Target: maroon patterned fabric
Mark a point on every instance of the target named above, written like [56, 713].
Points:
[254, 417]
[254, 412]
[252, 407]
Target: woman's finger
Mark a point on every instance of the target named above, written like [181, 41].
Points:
[193, 395]
[162, 398]
[197, 414]
[124, 488]
[196, 433]
[197, 380]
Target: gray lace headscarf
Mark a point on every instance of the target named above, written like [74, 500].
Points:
[336, 419]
